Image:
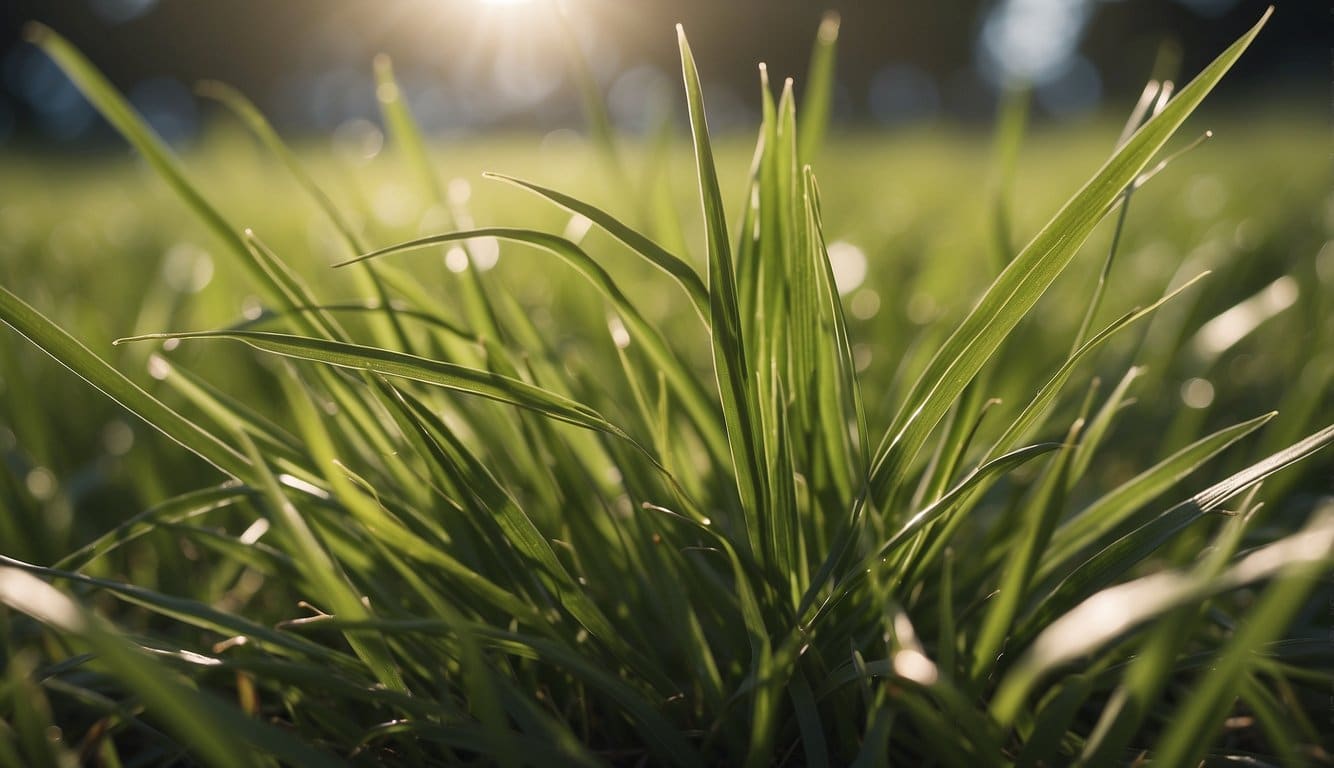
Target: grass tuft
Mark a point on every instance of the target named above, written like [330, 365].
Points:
[397, 551]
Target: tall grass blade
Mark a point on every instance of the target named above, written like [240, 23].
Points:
[1027, 277]
[1119, 556]
[740, 400]
[817, 98]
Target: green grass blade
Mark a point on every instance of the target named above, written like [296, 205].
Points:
[1118, 557]
[655, 728]
[205, 617]
[72, 354]
[1016, 103]
[230, 414]
[740, 398]
[1033, 414]
[1027, 277]
[1100, 423]
[1053, 720]
[254, 120]
[935, 510]
[389, 363]
[814, 744]
[817, 98]
[1017, 574]
[840, 394]
[407, 136]
[685, 385]
[403, 129]
[520, 533]
[324, 573]
[1150, 670]
[1108, 512]
[178, 509]
[655, 254]
[1111, 613]
[210, 728]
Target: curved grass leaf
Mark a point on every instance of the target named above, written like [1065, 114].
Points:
[117, 111]
[934, 511]
[996, 467]
[72, 354]
[323, 572]
[655, 254]
[1036, 524]
[1105, 514]
[179, 509]
[201, 615]
[1118, 557]
[249, 114]
[1112, 612]
[1027, 277]
[1150, 670]
[740, 397]
[687, 388]
[1033, 413]
[402, 365]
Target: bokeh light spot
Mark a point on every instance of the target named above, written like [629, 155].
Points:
[865, 304]
[848, 263]
[41, 483]
[1197, 393]
[187, 268]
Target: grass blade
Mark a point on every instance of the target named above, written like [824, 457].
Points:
[685, 386]
[1110, 511]
[209, 727]
[817, 98]
[72, 354]
[660, 257]
[740, 397]
[1027, 277]
[1114, 611]
[399, 364]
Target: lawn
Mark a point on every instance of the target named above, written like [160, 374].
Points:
[962, 455]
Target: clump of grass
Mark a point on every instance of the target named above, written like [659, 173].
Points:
[510, 554]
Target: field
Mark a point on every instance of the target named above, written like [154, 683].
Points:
[874, 470]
